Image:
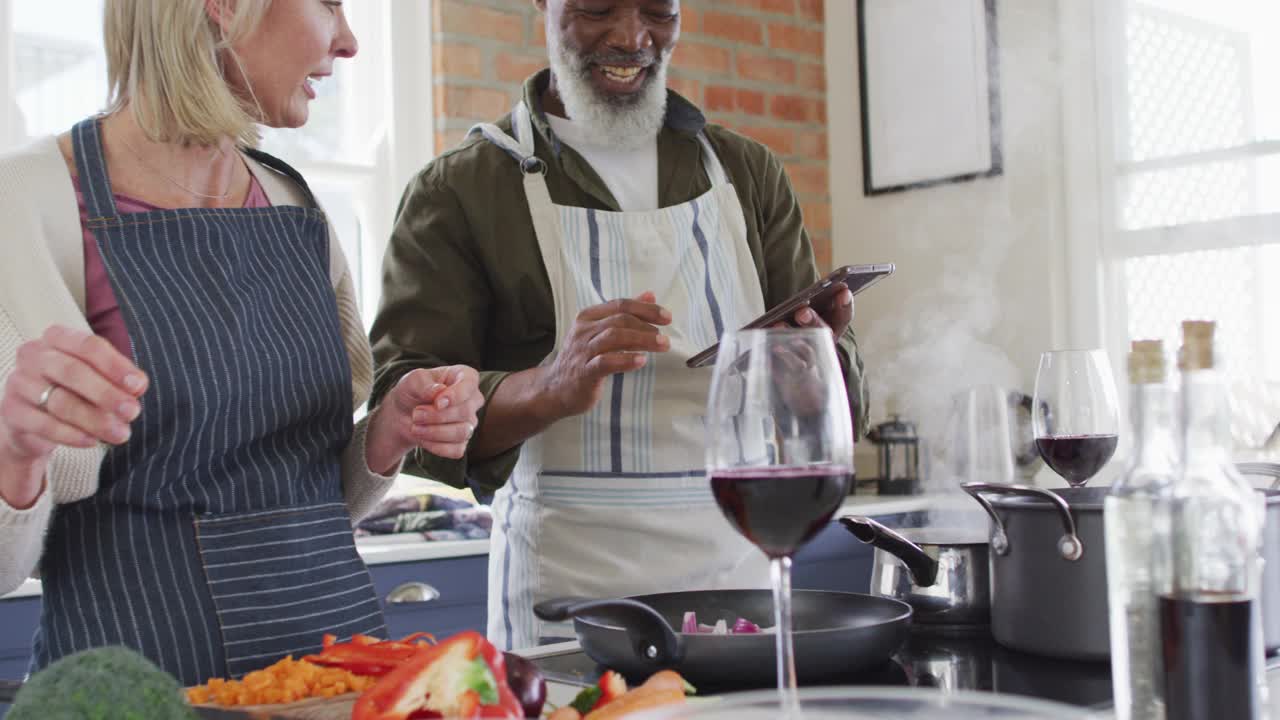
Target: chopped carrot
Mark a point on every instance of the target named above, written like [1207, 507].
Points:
[286, 681]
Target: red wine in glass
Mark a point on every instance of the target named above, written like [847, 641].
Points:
[1077, 458]
[779, 452]
[780, 508]
[1075, 413]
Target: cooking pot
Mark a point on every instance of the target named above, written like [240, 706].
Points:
[943, 574]
[1049, 569]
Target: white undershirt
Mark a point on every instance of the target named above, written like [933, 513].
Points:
[630, 174]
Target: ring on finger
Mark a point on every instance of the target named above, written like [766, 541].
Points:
[43, 401]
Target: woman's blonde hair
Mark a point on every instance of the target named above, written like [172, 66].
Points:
[167, 60]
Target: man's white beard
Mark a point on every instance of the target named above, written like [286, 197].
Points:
[625, 122]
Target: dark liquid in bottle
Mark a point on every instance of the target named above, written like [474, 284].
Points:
[780, 509]
[1208, 659]
[1076, 458]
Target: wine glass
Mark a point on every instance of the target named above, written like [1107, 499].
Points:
[1075, 413]
[780, 450]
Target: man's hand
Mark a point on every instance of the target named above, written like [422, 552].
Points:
[604, 340]
[837, 316]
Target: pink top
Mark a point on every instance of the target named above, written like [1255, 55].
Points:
[101, 308]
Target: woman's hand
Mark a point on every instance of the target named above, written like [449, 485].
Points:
[431, 408]
[69, 387]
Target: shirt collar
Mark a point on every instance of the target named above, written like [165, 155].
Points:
[682, 115]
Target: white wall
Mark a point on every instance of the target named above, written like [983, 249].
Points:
[979, 290]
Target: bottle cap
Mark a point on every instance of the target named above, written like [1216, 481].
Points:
[1146, 362]
[1197, 345]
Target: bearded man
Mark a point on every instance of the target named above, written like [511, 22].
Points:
[577, 252]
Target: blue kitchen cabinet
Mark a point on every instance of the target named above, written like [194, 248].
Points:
[458, 588]
[18, 619]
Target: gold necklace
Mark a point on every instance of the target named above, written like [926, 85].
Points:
[177, 184]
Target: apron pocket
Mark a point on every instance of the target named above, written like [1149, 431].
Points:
[281, 579]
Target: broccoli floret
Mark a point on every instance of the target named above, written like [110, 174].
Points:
[109, 683]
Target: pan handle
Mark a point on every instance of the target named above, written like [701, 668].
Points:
[924, 569]
[1069, 546]
[651, 635]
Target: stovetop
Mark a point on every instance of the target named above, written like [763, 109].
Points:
[955, 659]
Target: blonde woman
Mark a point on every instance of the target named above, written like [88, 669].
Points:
[182, 354]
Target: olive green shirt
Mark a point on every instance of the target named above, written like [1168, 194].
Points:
[463, 278]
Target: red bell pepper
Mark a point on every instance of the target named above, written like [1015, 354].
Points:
[365, 655]
[612, 686]
[462, 677]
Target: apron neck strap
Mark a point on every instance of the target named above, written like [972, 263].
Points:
[521, 146]
[91, 164]
[711, 161]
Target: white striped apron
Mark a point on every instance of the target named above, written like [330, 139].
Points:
[615, 501]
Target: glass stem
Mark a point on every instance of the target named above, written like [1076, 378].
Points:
[781, 571]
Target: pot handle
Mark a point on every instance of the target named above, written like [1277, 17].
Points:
[651, 635]
[924, 569]
[1070, 546]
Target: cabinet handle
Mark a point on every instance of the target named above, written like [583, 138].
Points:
[412, 592]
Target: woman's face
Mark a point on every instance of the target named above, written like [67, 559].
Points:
[293, 47]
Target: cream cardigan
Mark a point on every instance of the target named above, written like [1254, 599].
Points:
[42, 283]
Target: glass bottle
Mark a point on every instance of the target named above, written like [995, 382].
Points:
[1210, 618]
[1137, 537]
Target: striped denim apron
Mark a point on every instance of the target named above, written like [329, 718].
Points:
[218, 541]
[615, 501]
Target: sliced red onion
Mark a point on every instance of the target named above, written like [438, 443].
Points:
[690, 622]
[745, 626]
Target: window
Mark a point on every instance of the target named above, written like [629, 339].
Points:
[1191, 220]
[357, 150]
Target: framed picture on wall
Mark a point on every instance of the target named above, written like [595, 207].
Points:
[930, 93]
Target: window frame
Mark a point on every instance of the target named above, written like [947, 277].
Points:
[1096, 315]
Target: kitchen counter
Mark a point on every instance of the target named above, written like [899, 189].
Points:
[412, 548]
[1083, 685]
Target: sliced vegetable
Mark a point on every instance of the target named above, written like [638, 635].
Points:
[463, 677]
[612, 686]
[364, 655]
[586, 699]
[690, 624]
[741, 626]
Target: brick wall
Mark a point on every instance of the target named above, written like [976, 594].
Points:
[753, 65]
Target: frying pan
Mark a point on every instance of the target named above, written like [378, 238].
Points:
[836, 634]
